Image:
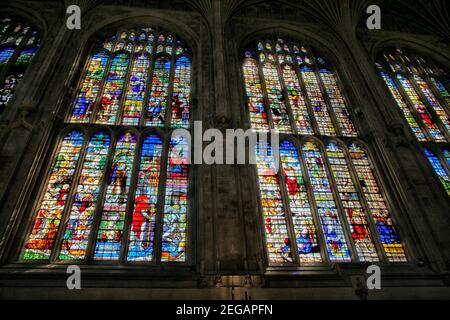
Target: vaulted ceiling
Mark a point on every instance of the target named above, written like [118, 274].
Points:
[424, 16]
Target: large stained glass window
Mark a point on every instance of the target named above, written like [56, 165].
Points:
[19, 43]
[293, 90]
[325, 203]
[105, 199]
[54, 201]
[421, 91]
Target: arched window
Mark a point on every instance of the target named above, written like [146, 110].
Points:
[117, 191]
[19, 43]
[421, 90]
[325, 203]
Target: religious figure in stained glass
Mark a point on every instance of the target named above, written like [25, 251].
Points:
[420, 89]
[325, 203]
[104, 193]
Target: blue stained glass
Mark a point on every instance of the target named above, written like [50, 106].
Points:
[174, 236]
[109, 238]
[305, 230]
[439, 169]
[5, 55]
[142, 231]
[326, 205]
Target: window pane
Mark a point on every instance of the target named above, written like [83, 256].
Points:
[326, 206]
[50, 210]
[14, 56]
[134, 101]
[299, 110]
[158, 98]
[109, 106]
[181, 91]
[5, 55]
[305, 230]
[351, 204]
[403, 107]
[90, 86]
[380, 213]
[439, 169]
[81, 216]
[142, 232]
[276, 99]
[109, 236]
[258, 116]
[435, 104]
[337, 103]
[421, 109]
[175, 210]
[442, 90]
[274, 212]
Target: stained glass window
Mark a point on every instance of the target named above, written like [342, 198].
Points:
[110, 232]
[324, 203]
[133, 79]
[336, 243]
[352, 205]
[302, 218]
[105, 186]
[299, 93]
[180, 97]
[274, 213]
[158, 97]
[49, 213]
[256, 106]
[85, 200]
[142, 234]
[439, 168]
[377, 205]
[134, 101]
[420, 89]
[175, 208]
[19, 43]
